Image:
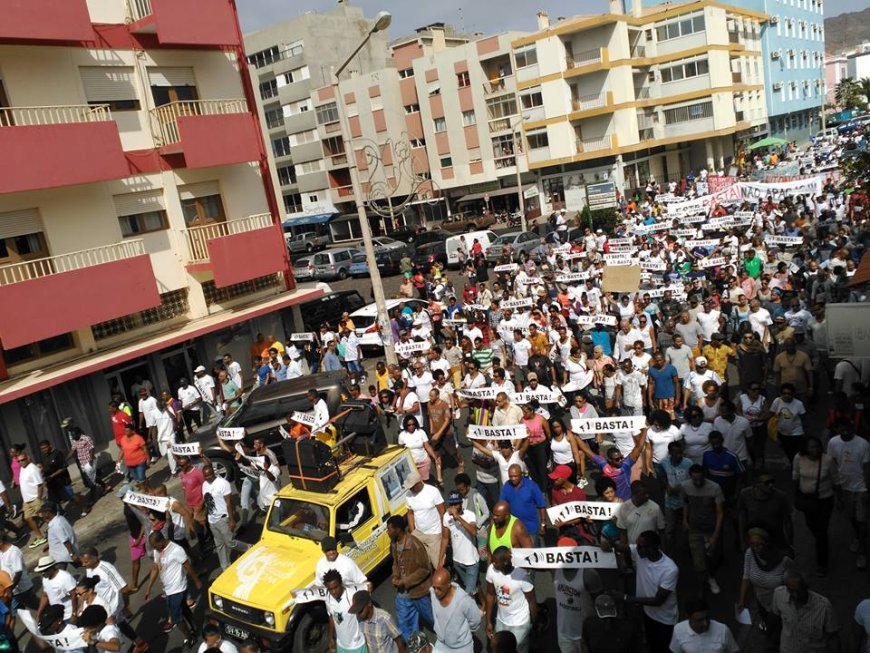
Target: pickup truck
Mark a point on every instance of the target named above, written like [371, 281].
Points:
[306, 242]
[465, 222]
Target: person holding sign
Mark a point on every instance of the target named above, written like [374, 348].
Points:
[616, 466]
[345, 633]
[510, 599]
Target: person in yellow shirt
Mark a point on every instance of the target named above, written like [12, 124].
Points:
[539, 341]
[345, 319]
[717, 354]
[382, 376]
[272, 343]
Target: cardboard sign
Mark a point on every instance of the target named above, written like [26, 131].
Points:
[621, 278]
[512, 432]
[234, 433]
[507, 267]
[598, 510]
[564, 557]
[408, 348]
[186, 449]
[314, 593]
[301, 337]
[303, 418]
[607, 425]
[592, 320]
[516, 303]
[160, 504]
[69, 640]
[478, 393]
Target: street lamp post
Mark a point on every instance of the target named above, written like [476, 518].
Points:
[517, 148]
[382, 22]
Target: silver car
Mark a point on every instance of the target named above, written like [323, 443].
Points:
[334, 263]
[303, 268]
[520, 241]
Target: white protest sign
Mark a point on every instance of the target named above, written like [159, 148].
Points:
[478, 393]
[706, 243]
[231, 433]
[607, 424]
[516, 303]
[651, 228]
[619, 259]
[186, 449]
[599, 510]
[571, 277]
[619, 241]
[507, 267]
[453, 322]
[622, 249]
[408, 348]
[784, 240]
[303, 418]
[533, 281]
[744, 215]
[574, 255]
[513, 432]
[160, 504]
[692, 219]
[564, 557]
[299, 337]
[684, 233]
[715, 262]
[654, 264]
[782, 189]
[592, 320]
[69, 640]
[314, 593]
[475, 307]
[541, 396]
[714, 224]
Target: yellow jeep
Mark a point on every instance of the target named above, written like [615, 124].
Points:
[255, 596]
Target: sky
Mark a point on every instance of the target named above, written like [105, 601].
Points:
[465, 15]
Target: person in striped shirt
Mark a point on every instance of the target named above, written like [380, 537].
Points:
[483, 355]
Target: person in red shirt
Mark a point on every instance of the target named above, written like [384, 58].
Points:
[120, 420]
[134, 453]
[192, 480]
[565, 491]
[476, 248]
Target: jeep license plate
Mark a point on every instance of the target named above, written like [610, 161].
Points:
[236, 633]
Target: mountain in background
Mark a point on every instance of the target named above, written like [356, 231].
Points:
[846, 31]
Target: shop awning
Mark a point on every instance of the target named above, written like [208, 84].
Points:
[493, 193]
[305, 220]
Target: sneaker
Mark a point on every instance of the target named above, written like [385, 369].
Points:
[15, 512]
[39, 541]
[854, 546]
[168, 627]
[713, 585]
[861, 562]
[190, 642]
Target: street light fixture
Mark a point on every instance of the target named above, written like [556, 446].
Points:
[382, 22]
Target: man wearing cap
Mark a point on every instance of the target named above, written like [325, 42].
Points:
[574, 590]
[62, 543]
[460, 533]
[609, 630]
[425, 516]
[343, 564]
[378, 627]
[694, 382]
[345, 633]
[718, 354]
[204, 382]
[58, 588]
[456, 615]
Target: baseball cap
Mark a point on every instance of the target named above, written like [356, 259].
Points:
[329, 543]
[412, 480]
[417, 642]
[561, 471]
[701, 360]
[718, 336]
[531, 376]
[454, 499]
[566, 541]
[199, 369]
[360, 600]
[605, 606]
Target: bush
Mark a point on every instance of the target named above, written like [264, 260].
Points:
[604, 219]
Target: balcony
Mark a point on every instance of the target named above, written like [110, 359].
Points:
[236, 250]
[638, 52]
[336, 160]
[343, 191]
[49, 147]
[588, 59]
[45, 20]
[497, 85]
[86, 287]
[646, 134]
[587, 145]
[208, 132]
[502, 162]
[587, 103]
[185, 22]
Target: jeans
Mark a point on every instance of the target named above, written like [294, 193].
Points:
[353, 367]
[224, 541]
[568, 645]
[136, 473]
[249, 490]
[520, 632]
[409, 611]
[817, 523]
[467, 576]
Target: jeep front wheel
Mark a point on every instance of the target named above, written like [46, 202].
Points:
[311, 632]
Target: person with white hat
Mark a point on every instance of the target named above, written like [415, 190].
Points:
[58, 587]
[205, 384]
[694, 383]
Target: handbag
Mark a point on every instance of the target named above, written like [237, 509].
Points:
[808, 503]
[772, 425]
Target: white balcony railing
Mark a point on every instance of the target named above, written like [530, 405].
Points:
[43, 267]
[56, 115]
[587, 102]
[585, 58]
[197, 237]
[593, 144]
[138, 9]
[638, 51]
[166, 116]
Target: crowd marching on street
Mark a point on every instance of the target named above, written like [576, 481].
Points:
[564, 425]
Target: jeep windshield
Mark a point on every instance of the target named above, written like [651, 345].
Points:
[299, 519]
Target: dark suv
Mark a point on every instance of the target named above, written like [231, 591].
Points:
[329, 308]
[266, 408]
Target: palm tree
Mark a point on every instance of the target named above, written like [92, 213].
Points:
[864, 88]
[848, 93]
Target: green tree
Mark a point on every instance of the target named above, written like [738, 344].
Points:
[848, 93]
[864, 86]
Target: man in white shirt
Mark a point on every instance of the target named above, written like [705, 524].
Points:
[234, 371]
[217, 495]
[205, 384]
[12, 562]
[332, 559]
[345, 633]
[851, 456]
[58, 587]
[625, 339]
[148, 409]
[32, 492]
[694, 383]
[510, 599]
[166, 434]
[351, 353]
[425, 515]
[63, 546]
[190, 400]
[321, 413]
[709, 319]
[173, 566]
[735, 430]
[112, 583]
[212, 640]
[760, 321]
[460, 534]
[421, 381]
[700, 634]
[522, 350]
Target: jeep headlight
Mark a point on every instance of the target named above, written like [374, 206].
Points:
[269, 617]
[218, 602]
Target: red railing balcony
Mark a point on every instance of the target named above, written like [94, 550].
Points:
[45, 20]
[49, 147]
[185, 22]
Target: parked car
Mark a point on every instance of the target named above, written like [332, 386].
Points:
[329, 308]
[333, 263]
[426, 256]
[463, 222]
[389, 263]
[553, 237]
[359, 267]
[366, 328]
[406, 234]
[303, 269]
[431, 236]
[308, 241]
[520, 241]
[386, 244]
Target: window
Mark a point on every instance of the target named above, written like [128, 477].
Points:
[440, 124]
[468, 118]
[308, 136]
[434, 88]
[264, 57]
[287, 175]
[376, 103]
[313, 199]
[503, 146]
[281, 146]
[143, 223]
[406, 72]
[215, 295]
[269, 89]
[202, 210]
[418, 142]
[501, 107]
[295, 108]
[412, 108]
[112, 85]
[327, 113]
[446, 162]
[309, 167]
[38, 349]
[682, 27]
[537, 139]
[351, 515]
[532, 98]
[333, 146]
[474, 155]
[293, 203]
[527, 56]
[691, 112]
[274, 118]
[22, 248]
[685, 70]
[463, 80]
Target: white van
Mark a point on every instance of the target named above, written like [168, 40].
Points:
[486, 238]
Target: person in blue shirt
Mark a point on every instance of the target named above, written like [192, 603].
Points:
[331, 362]
[676, 469]
[664, 384]
[601, 337]
[723, 467]
[526, 500]
[616, 466]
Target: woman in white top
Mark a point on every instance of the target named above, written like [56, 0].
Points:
[696, 434]
[660, 434]
[648, 332]
[86, 593]
[754, 407]
[507, 454]
[413, 438]
[564, 449]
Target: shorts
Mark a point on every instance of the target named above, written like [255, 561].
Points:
[31, 508]
[855, 505]
[137, 549]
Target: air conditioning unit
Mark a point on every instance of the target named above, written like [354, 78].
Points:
[775, 54]
[806, 83]
[777, 86]
[793, 84]
[774, 20]
[790, 52]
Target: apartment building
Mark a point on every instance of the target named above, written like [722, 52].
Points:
[836, 69]
[622, 97]
[139, 231]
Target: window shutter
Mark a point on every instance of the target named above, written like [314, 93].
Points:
[202, 189]
[135, 203]
[20, 223]
[171, 77]
[108, 83]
